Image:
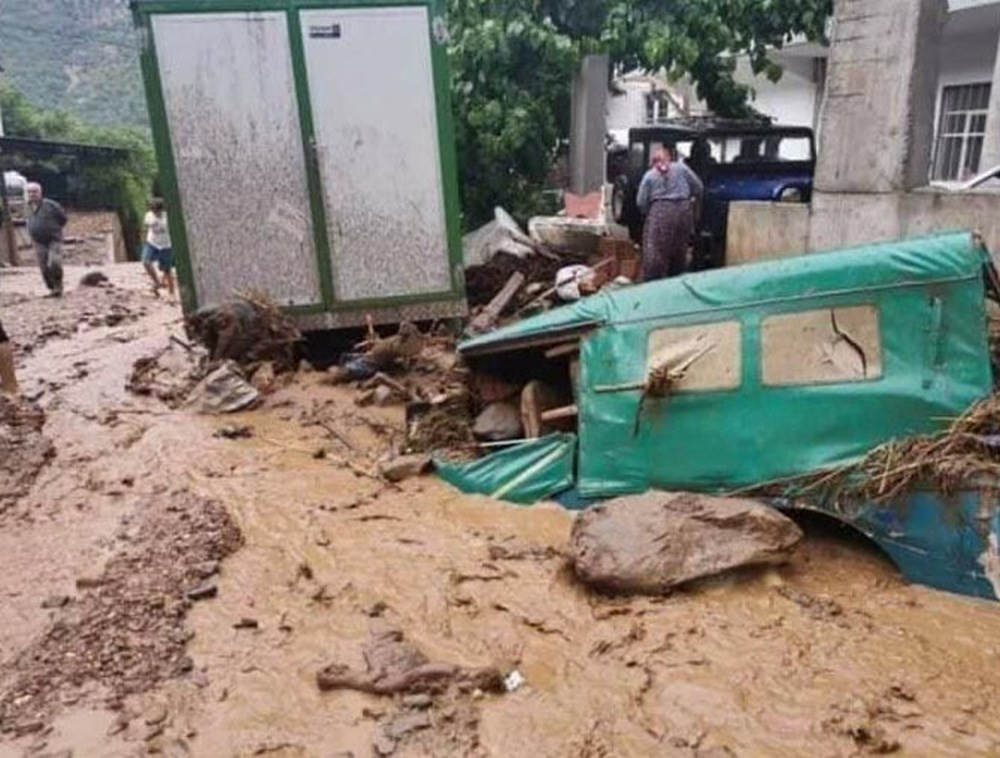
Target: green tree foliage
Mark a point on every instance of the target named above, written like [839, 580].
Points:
[75, 55]
[123, 185]
[513, 62]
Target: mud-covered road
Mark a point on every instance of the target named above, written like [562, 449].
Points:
[296, 558]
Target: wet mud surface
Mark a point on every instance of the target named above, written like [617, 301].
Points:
[831, 654]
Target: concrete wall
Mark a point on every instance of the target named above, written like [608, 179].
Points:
[764, 231]
[588, 125]
[761, 231]
[879, 107]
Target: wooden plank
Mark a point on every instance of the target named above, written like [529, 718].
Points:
[536, 397]
[567, 348]
[567, 411]
[487, 318]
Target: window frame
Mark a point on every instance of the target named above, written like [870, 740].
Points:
[741, 353]
[838, 382]
[969, 139]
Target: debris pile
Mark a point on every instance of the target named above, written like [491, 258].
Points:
[250, 330]
[963, 456]
[168, 374]
[126, 631]
[434, 699]
[24, 451]
[651, 543]
[245, 345]
[394, 666]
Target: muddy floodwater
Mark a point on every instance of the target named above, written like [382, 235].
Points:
[832, 654]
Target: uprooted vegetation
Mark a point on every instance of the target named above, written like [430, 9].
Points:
[963, 456]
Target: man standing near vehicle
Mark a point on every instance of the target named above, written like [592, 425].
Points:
[665, 198]
[46, 219]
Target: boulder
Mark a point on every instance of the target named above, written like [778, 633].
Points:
[650, 543]
[498, 421]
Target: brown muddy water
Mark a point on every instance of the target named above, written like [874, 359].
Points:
[830, 655]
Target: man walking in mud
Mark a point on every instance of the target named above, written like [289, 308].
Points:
[46, 219]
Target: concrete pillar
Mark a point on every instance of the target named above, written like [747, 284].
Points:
[588, 116]
[878, 112]
[991, 143]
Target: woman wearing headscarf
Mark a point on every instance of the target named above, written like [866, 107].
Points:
[665, 198]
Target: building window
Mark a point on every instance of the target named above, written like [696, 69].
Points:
[657, 108]
[827, 346]
[697, 358]
[961, 130]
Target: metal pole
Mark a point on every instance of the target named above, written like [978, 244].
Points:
[8, 220]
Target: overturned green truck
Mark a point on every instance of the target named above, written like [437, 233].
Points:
[735, 378]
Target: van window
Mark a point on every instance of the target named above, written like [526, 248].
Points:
[699, 358]
[831, 345]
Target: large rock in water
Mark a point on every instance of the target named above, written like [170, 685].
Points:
[650, 543]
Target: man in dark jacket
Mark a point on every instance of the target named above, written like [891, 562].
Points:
[46, 219]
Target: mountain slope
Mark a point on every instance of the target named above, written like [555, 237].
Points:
[78, 55]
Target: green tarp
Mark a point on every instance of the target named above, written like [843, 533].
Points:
[524, 473]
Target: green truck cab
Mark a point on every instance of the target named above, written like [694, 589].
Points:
[736, 377]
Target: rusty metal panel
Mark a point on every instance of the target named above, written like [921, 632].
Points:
[229, 94]
[378, 150]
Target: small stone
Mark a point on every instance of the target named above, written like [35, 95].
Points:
[383, 396]
[153, 731]
[406, 723]
[405, 467]
[156, 714]
[246, 623]
[89, 582]
[204, 591]
[56, 601]
[383, 744]
[320, 454]
[120, 724]
[419, 701]
[205, 569]
[263, 378]
[375, 610]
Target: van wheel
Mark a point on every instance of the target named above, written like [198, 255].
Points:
[618, 195]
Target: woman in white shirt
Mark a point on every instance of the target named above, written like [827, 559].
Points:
[157, 248]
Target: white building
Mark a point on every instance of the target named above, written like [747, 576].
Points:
[967, 57]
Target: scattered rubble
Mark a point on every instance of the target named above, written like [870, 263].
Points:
[127, 634]
[651, 543]
[223, 390]
[24, 450]
[169, 374]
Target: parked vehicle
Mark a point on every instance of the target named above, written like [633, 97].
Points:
[16, 187]
[736, 161]
[773, 370]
